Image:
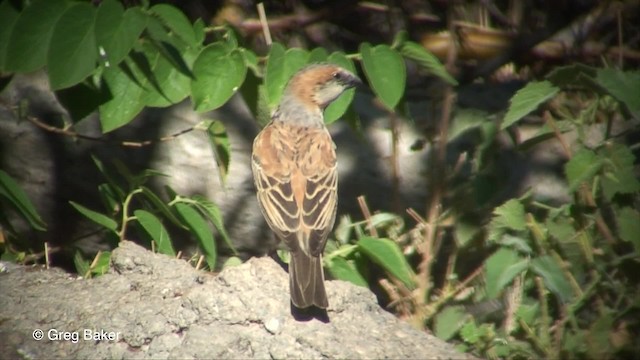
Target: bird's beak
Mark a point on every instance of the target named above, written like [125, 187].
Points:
[354, 81]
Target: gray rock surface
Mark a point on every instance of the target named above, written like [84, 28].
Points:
[152, 306]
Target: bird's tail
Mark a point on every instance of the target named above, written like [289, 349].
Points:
[306, 281]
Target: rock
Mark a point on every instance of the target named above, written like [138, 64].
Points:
[152, 306]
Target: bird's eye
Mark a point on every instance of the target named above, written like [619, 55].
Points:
[338, 76]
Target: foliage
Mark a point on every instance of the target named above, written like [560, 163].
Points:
[558, 279]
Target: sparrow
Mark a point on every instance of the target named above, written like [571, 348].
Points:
[295, 172]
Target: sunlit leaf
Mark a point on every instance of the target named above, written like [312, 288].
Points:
[527, 100]
[387, 254]
[386, 72]
[152, 225]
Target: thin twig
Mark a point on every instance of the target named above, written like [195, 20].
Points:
[46, 254]
[125, 143]
[367, 216]
[264, 24]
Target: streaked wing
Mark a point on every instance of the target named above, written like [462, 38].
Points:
[297, 188]
[272, 163]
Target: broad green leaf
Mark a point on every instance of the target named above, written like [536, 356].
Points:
[527, 100]
[200, 229]
[426, 60]
[629, 226]
[582, 167]
[10, 189]
[495, 268]
[510, 215]
[212, 211]
[8, 17]
[171, 85]
[96, 217]
[339, 106]
[281, 66]
[156, 231]
[623, 85]
[553, 277]
[470, 332]
[449, 321]
[218, 73]
[387, 254]
[176, 21]
[341, 269]
[386, 72]
[73, 53]
[318, 54]
[118, 30]
[101, 265]
[126, 102]
[31, 35]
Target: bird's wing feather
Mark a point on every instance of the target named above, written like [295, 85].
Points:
[295, 174]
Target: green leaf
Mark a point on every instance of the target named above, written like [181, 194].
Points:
[231, 262]
[387, 254]
[582, 167]
[318, 54]
[470, 332]
[623, 85]
[339, 106]
[629, 226]
[200, 229]
[126, 102]
[619, 176]
[386, 72]
[553, 277]
[161, 206]
[118, 30]
[212, 211]
[281, 66]
[10, 189]
[96, 217]
[449, 321]
[8, 17]
[101, 265]
[527, 100]
[73, 52]
[341, 269]
[500, 268]
[426, 60]
[219, 140]
[218, 73]
[31, 35]
[509, 215]
[176, 21]
[156, 231]
[82, 266]
[465, 120]
[572, 75]
[170, 84]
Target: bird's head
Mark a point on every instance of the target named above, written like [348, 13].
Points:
[316, 86]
